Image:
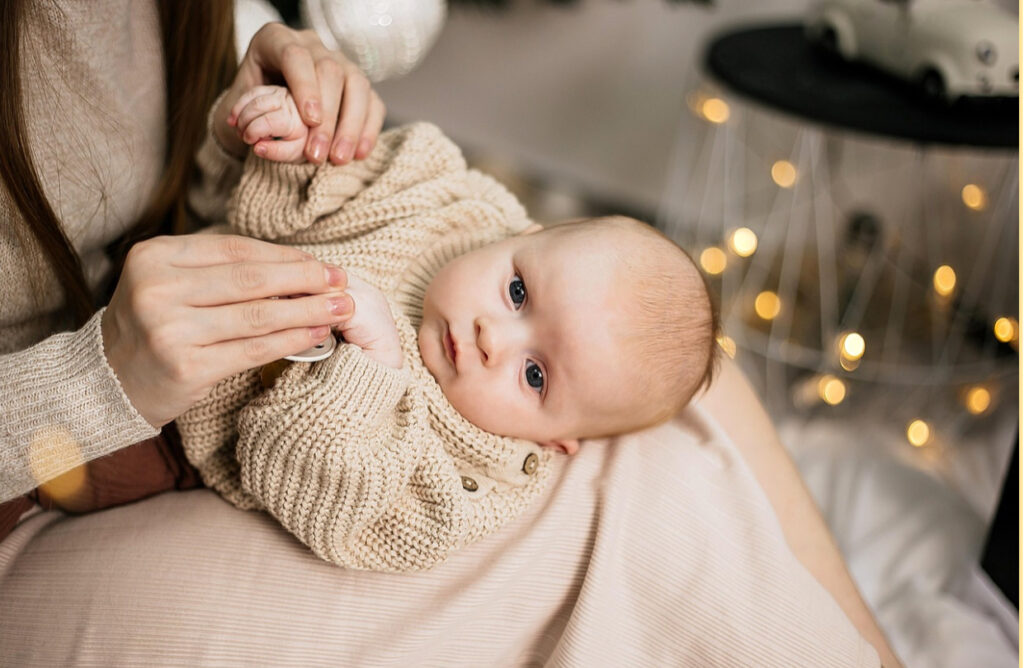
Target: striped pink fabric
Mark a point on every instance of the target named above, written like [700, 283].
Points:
[654, 549]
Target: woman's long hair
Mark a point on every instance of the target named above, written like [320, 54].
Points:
[199, 62]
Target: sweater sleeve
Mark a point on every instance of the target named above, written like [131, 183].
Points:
[328, 450]
[63, 406]
[412, 170]
[218, 174]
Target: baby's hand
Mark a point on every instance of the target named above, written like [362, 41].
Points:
[267, 119]
[372, 326]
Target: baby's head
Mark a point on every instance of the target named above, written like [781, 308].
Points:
[587, 329]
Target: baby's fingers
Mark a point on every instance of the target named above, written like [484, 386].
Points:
[254, 93]
[281, 150]
[275, 124]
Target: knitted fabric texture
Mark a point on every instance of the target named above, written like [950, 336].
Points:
[369, 466]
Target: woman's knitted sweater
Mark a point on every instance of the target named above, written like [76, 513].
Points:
[368, 465]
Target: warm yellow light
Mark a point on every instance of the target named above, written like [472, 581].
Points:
[974, 197]
[944, 280]
[918, 433]
[831, 390]
[727, 345]
[784, 173]
[743, 242]
[715, 110]
[978, 400]
[848, 364]
[713, 260]
[1005, 329]
[53, 449]
[767, 305]
[851, 346]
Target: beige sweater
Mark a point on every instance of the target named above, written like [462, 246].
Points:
[92, 74]
[369, 465]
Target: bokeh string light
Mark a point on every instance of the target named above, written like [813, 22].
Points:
[784, 174]
[713, 260]
[974, 197]
[918, 433]
[977, 400]
[832, 390]
[767, 305]
[743, 242]
[944, 281]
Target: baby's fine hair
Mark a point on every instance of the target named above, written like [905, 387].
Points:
[673, 322]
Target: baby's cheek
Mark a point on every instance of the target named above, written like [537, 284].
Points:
[472, 403]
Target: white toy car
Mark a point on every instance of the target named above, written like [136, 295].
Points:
[951, 48]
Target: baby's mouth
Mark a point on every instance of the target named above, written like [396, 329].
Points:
[449, 347]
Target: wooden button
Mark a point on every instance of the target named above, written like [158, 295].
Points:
[469, 484]
[530, 464]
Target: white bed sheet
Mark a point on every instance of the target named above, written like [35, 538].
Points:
[912, 541]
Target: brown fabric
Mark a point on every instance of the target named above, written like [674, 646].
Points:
[11, 511]
[139, 471]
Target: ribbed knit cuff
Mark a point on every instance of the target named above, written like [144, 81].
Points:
[360, 386]
[63, 406]
[272, 198]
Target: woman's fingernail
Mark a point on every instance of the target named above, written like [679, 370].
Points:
[313, 111]
[364, 149]
[343, 151]
[319, 333]
[260, 150]
[339, 305]
[336, 277]
[318, 149]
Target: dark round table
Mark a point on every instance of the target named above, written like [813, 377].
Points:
[777, 66]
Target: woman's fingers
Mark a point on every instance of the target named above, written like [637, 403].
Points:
[330, 77]
[371, 129]
[246, 281]
[296, 65]
[205, 250]
[355, 102]
[231, 357]
[333, 97]
[266, 316]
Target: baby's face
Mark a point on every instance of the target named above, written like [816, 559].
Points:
[521, 336]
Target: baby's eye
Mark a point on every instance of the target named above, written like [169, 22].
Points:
[534, 376]
[517, 291]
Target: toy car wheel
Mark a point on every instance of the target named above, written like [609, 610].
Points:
[933, 85]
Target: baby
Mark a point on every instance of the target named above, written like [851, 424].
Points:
[480, 345]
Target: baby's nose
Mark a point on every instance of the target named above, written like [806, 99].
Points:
[493, 339]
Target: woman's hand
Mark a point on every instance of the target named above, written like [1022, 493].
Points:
[192, 310]
[333, 96]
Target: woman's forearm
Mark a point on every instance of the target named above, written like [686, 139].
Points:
[63, 406]
[804, 529]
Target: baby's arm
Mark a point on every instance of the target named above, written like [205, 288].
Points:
[372, 327]
[267, 119]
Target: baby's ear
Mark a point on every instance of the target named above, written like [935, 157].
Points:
[569, 446]
[534, 227]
